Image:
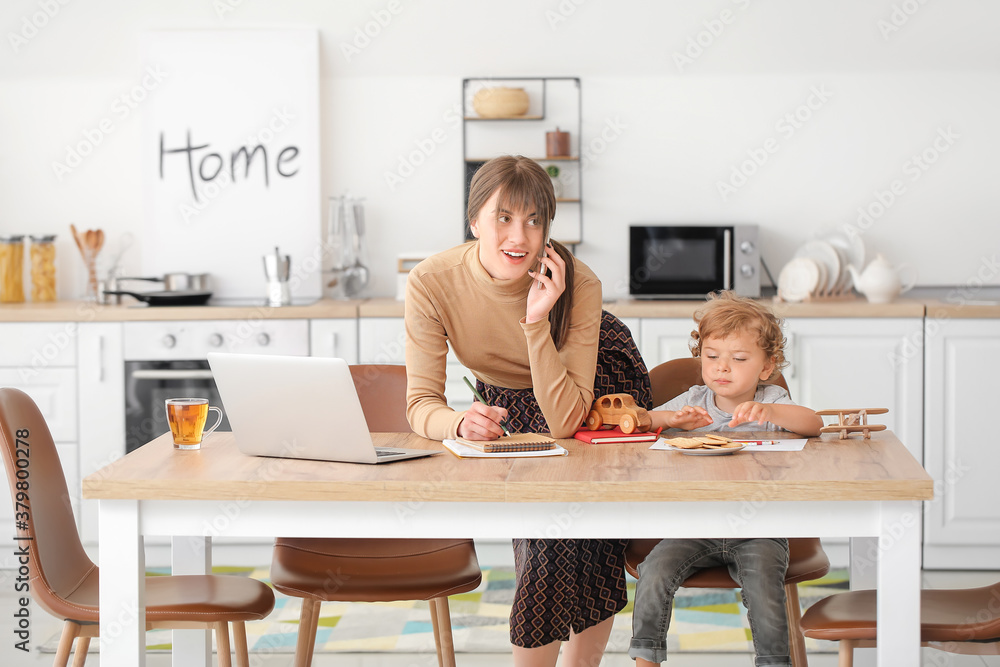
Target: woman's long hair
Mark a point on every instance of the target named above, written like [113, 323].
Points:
[525, 186]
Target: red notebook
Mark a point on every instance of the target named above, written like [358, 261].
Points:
[614, 435]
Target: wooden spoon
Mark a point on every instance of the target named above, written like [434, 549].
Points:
[76, 237]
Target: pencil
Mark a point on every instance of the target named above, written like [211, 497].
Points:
[503, 423]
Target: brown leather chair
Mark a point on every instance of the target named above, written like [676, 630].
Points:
[952, 620]
[363, 570]
[63, 579]
[806, 558]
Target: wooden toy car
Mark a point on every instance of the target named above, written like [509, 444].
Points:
[618, 409]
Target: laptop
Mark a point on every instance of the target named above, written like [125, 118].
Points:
[299, 408]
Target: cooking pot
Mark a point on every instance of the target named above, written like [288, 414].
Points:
[172, 282]
[169, 297]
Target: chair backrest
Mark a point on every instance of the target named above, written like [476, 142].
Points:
[382, 391]
[59, 565]
[672, 378]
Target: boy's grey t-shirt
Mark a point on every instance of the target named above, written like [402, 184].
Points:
[701, 396]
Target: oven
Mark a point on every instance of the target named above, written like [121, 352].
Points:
[167, 359]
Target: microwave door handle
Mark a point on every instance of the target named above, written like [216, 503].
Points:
[166, 374]
[727, 259]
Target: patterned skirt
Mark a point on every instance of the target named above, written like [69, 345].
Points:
[564, 585]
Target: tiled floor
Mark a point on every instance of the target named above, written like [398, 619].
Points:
[44, 627]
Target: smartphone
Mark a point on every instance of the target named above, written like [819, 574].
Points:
[539, 266]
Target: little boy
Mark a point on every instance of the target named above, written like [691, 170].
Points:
[741, 346]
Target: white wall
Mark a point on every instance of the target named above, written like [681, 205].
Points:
[673, 132]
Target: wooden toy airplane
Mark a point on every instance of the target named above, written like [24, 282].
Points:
[854, 420]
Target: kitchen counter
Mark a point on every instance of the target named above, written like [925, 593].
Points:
[855, 307]
[84, 311]
[80, 311]
[851, 307]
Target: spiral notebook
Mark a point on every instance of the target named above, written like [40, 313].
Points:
[520, 442]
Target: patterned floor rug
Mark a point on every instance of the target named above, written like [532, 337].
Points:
[704, 620]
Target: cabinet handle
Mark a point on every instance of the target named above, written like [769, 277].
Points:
[790, 348]
[100, 359]
[167, 374]
[333, 342]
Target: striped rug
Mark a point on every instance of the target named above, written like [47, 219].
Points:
[704, 620]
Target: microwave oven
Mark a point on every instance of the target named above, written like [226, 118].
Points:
[689, 261]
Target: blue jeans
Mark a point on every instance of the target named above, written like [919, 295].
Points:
[758, 565]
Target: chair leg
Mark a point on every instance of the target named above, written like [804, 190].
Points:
[845, 656]
[441, 623]
[796, 640]
[240, 644]
[70, 632]
[222, 644]
[80, 654]
[308, 624]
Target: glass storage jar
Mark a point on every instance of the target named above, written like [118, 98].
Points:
[43, 268]
[12, 269]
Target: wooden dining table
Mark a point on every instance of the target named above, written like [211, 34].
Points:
[868, 490]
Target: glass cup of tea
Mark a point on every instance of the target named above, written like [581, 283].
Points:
[187, 417]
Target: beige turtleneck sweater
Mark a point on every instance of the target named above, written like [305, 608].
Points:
[450, 298]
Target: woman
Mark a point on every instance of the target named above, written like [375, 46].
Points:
[527, 323]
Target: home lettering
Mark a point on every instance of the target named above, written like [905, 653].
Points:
[207, 166]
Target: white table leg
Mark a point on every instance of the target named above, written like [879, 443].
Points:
[191, 555]
[123, 586]
[899, 585]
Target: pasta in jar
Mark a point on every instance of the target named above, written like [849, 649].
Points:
[43, 268]
[12, 269]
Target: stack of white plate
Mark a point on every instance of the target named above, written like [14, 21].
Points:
[819, 268]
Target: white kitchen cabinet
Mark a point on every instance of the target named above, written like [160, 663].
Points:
[40, 359]
[382, 340]
[962, 523]
[860, 363]
[334, 338]
[101, 382]
[663, 339]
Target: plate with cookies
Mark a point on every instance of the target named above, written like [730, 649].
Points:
[709, 444]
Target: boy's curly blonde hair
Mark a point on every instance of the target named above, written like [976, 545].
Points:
[726, 314]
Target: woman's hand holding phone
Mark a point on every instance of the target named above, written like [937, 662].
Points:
[550, 283]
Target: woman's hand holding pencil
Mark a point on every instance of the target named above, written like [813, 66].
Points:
[482, 421]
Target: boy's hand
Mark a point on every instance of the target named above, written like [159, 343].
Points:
[752, 412]
[689, 418]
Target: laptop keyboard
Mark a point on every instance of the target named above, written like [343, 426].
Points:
[386, 451]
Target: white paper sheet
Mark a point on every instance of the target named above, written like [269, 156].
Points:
[790, 445]
[466, 452]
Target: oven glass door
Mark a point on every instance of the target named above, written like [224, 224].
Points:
[149, 383]
[672, 261]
